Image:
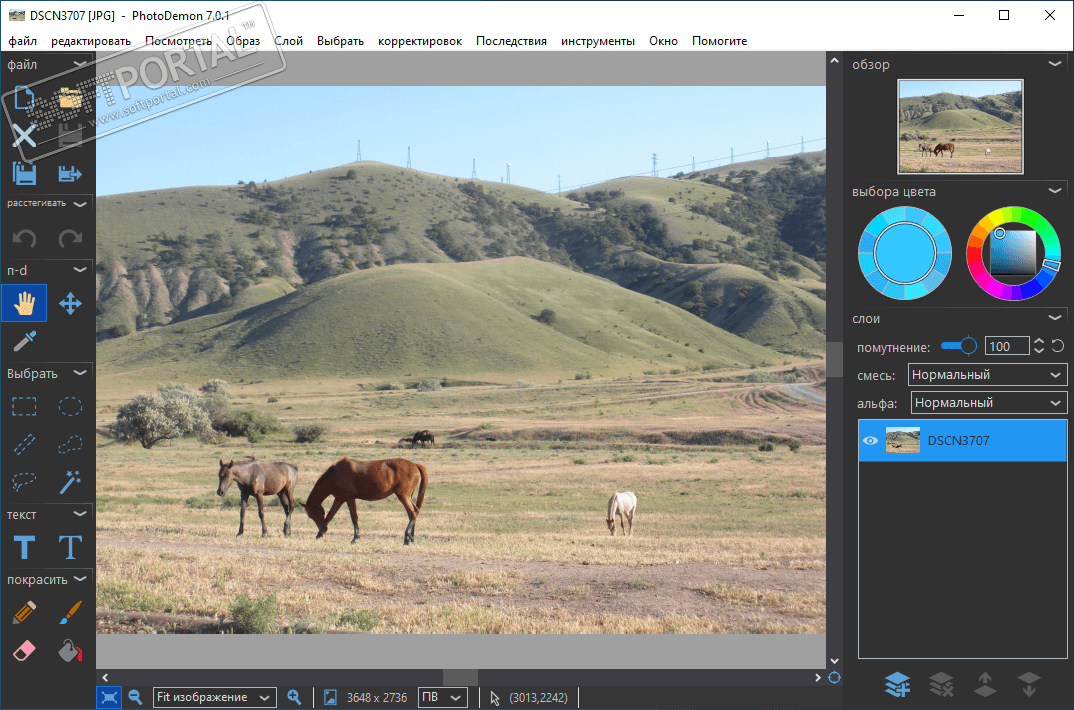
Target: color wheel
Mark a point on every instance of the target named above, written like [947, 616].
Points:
[975, 248]
[904, 253]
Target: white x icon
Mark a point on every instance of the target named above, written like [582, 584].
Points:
[23, 135]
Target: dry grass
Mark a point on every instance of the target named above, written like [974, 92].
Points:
[789, 603]
[166, 543]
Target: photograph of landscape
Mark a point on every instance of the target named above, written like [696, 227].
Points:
[275, 299]
[971, 126]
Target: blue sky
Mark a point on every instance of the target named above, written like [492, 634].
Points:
[585, 134]
[976, 89]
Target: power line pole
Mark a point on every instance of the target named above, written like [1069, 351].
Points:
[473, 175]
[766, 154]
[693, 164]
[508, 173]
[408, 156]
[732, 155]
[654, 165]
[359, 151]
[559, 184]
[803, 145]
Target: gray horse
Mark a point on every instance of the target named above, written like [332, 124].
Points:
[261, 478]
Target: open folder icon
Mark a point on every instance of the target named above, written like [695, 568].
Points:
[70, 98]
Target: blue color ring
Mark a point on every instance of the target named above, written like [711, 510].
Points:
[904, 253]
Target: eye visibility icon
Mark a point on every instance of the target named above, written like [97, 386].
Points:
[870, 440]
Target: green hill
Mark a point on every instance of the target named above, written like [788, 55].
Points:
[957, 120]
[1006, 108]
[435, 319]
[169, 256]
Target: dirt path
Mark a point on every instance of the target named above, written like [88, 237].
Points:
[578, 587]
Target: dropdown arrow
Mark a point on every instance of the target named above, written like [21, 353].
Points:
[1056, 374]
[456, 698]
[1055, 403]
[834, 660]
[1038, 350]
[79, 372]
[1055, 191]
[1055, 64]
[264, 698]
[1056, 317]
[79, 579]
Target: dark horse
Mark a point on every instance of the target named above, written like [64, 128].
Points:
[349, 480]
[261, 478]
[423, 436]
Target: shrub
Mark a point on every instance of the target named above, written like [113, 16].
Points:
[256, 616]
[430, 384]
[216, 387]
[578, 462]
[362, 619]
[396, 385]
[761, 377]
[273, 400]
[247, 422]
[583, 376]
[309, 434]
[172, 412]
[547, 316]
[766, 446]
[795, 446]
[522, 384]
[352, 174]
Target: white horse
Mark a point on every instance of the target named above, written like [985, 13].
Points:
[623, 505]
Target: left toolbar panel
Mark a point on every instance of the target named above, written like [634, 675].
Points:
[47, 295]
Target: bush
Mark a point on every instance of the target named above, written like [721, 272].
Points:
[395, 385]
[795, 446]
[761, 377]
[430, 384]
[352, 174]
[583, 376]
[172, 412]
[309, 434]
[547, 316]
[256, 616]
[216, 387]
[523, 384]
[248, 423]
[363, 619]
[766, 446]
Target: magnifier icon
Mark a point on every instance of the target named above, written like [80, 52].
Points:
[135, 696]
[292, 695]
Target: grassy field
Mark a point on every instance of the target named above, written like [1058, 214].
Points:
[511, 539]
[1005, 144]
[425, 320]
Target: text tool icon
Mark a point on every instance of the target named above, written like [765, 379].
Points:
[25, 611]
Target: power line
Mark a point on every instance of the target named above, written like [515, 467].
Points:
[683, 167]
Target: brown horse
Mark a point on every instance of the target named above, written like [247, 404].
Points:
[939, 149]
[261, 478]
[348, 480]
[422, 436]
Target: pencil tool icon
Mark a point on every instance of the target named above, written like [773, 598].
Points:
[25, 611]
